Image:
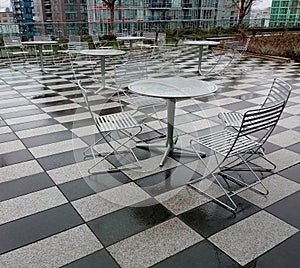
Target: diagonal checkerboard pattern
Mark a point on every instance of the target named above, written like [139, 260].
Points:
[54, 213]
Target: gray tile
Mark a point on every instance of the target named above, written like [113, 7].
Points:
[54, 251]
[162, 242]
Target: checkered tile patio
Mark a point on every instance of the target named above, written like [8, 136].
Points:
[54, 214]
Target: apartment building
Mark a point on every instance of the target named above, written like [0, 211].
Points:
[145, 15]
[285, 13]
[61, 17]
[23, 16]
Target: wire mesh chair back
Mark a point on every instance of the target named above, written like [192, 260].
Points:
[149, 35]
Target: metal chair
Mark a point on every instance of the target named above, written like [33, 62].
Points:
[122, 123]
[130, 72]
[100, 44]
[280, 91]
[13, 47]
[238, 147]
[79, 60]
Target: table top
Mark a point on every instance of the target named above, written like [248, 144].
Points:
[130, 38]
[39, 42]
[201, 43]
[102, 52]
[172, 87]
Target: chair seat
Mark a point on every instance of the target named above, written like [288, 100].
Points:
[117, 121]
[222, 141]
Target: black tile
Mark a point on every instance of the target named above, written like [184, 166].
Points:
[292, 173]
[123, 223]
[284, 255]
[7, 137]
[15, 157]
[61, 159]
[287, 209]
[203, 254]
[295, 148]
[98, 259]
[167, 180]
[37, 226]
[22, 113]
[238, 106]
[65, 112]
[24, 185]
[43, 96]
[211, 217]
[92, 184]
[53, 103]
[34, 124]
[197, 107]
[79, 123]
[48, 138]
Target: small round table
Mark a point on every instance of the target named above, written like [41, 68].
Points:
[171, 89]
[40, 45]
[201, 44]
[131, 39]
[102, 53]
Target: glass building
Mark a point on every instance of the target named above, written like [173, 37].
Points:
[285, 13]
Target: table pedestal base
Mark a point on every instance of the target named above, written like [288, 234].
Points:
[169, 149]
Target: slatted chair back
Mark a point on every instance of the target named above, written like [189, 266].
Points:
[149, 35]
[74, 39]
[257, 121]
[280, 91]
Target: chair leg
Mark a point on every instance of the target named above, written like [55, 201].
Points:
[137, 163]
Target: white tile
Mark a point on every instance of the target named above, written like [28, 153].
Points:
[19, 170]
[54, 251]
[196, 125]
[74, 171]
[102, 203]
[211, 112]
[11, 146]
[49, 99]
[289, 122]
[253, 236]
[17, 109]
[154, 245]
[5, 129]
[25, 205]
[57, 147]
[285, 138]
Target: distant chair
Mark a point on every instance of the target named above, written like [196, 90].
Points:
[107, 125]
[14, 48]
[100, 44]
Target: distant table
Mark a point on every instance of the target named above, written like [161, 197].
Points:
[102, 53]
[40, 46]
[201, 44]
[131, 39]
[171, 89]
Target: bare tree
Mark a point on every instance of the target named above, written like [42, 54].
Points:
[243, 7]
[111, 6]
